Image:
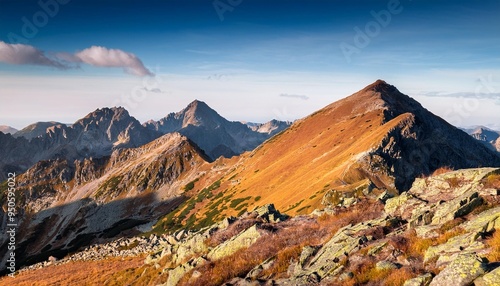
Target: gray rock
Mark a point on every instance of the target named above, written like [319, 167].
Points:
[490, 279]
[461, 272]
[242, 240]
[385, 265]
[269, 213]
[422, 280]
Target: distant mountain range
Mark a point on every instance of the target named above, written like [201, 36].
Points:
[108, 176]
[490, 138]
[108, 129]
[7, 129]
[213, 133]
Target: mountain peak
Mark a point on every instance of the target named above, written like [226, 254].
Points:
[377, 85]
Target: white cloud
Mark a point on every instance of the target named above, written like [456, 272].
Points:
[300, 96]
[19, 54]
[104, 57]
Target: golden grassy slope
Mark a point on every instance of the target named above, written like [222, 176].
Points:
[293, 169]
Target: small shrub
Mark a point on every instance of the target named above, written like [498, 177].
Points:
[454, 182]
[442, 170]
[494, 244]
[282, 261]
[399, 276]
[492, 181]
[189, 186]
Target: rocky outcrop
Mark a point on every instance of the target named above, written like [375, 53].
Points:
[462, 271]
[240, 241]
[375, 246]
[489, 279]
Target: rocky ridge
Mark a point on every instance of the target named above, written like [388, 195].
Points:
[441, 231]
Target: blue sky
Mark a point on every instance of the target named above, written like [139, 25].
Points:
[250, 60]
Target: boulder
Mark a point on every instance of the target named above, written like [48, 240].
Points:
[486, 221]
[422, 280]
[269, 213]
[448, 251]
[192, 245]
[461, 272]
[242, 240]
[489, 279]
[176, 274]
[457, 207]
[385, 265]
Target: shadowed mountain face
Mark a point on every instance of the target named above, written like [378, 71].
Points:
[213, 133]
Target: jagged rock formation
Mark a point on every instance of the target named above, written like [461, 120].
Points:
[96, 135]
[213, 133]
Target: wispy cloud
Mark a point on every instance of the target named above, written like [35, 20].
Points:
[494, 96]
[104, 57]
[154, 90]
[299, 96]
[19, 54]
[201, 52]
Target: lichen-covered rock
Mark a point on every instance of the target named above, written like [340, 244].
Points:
[422, 280]
[343, 243]
[448, 186]
[461, 272]
[242, 240]
[465, 243]
[385, 265]
[176, 274]
[489, 279]
[485, 221]
[192, 245]
[457, 207]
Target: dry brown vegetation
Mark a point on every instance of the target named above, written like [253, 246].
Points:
[492, 181]
[414, 246]
[116, 271]
[283, 243]
[494, 243]
[442, 170]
